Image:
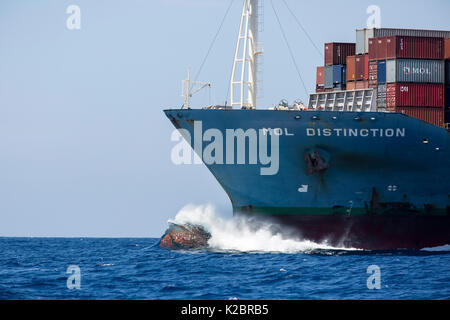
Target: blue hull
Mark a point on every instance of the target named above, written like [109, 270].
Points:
[364, 168]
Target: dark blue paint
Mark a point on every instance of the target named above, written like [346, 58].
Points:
[357, 164]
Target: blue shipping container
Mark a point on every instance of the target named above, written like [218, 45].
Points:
[381, 72]
[335, 76]
[344, 75]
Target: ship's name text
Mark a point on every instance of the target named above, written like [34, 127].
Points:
[364, 133]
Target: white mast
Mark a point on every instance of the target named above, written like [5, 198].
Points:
[188, 89]
[245, 66]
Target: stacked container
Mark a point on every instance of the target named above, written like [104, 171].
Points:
[336, 65]
[335, 76]
[373, 74]
[351, 72]
[362, 67]
[358, 72]
[337, 53]
[363, 36]
[447, 80]
[320, 79]
[410, 74]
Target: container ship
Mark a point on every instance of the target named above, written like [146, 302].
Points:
[364, 164]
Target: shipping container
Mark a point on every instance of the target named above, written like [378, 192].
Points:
[366, 67]
[373, 73]
[351, 68]
[381, 96]
[320, 76]
[447, 49]
[351, 85]
[381, 47]
[363, 36]
[388, 32]
[431, 115]
[359, 67]
[447, 118]
[447, 97]
[320, 89]
[447, 72]
[337, 53]
[414, 95]
[373, 49]
[362, 40]
[415, 70]
[404, 47]
[381, 71]
[334, 76]
[377, 48]
[344, 75]
[362, 84]
[362, 67]
[328, 75]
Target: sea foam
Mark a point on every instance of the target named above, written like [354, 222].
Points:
[242, 235]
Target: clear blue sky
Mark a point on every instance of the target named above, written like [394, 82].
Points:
[84, 144]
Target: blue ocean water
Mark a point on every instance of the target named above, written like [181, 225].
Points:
[35, 268]
[243, 261]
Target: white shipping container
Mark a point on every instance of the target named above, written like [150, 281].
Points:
[381, 96]
[362, 40]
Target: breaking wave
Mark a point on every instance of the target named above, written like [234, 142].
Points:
[444, 248]
[242, 235]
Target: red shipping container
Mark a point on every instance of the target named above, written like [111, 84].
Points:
[372, 49]
[431, 115]
[366, 67]
[373, 74]
[351, 68]
[320, 77]
[362, 67]
[378, 48]
[351, 85]
[364, 84]
[414, 48]
[382, 44]
[414, 95]
[447, 49]
[337, 53]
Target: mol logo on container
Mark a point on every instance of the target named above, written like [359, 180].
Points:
[411, 71]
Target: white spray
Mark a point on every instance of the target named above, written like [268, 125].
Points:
[236, 234]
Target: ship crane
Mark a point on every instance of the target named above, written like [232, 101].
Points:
[244, 91]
